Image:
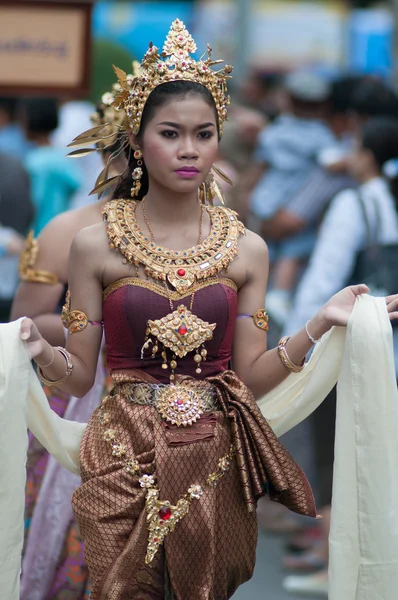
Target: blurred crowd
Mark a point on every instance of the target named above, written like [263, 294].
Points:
[317, 178]
[315, 167]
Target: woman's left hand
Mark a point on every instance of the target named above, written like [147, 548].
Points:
[392, 306]
[337, 310]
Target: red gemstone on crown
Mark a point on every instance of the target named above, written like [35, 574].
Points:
[180, 401]
[182, 330]
[181, 272]
[165, 513]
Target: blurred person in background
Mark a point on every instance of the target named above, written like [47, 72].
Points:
[54, 178]
[16, 216]
[288, 151]
[329, 177]
[342, 236]
[75, 117]
[53, 563]
[12, 138]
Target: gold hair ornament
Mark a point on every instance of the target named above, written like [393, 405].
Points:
[108, 124]
[27, 261]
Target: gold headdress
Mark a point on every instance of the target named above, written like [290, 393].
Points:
[130, 94]
[109, 118]
[175, 63]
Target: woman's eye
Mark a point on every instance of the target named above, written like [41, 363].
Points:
[206, 135]
[169, 133]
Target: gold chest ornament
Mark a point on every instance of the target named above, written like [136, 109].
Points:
[180, 331]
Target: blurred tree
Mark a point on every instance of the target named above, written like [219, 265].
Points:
[105, 54]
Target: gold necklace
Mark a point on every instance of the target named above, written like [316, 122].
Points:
[147, 223]
[181, 330]
[182, 268]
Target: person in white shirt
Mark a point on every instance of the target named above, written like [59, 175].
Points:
[343, 234]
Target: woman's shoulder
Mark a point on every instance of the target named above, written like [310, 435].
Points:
[251, 245]
[91, 241]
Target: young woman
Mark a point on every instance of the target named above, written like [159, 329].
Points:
[174, 459]
[53, 554]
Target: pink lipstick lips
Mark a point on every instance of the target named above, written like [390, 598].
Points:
[187, 172]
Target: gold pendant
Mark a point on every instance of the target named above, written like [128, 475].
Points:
[181, 279]
[162, 517]
[181, 331]
[179, 405]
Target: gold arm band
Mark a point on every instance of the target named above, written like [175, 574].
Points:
[74, 320]
[283, 355]
[36, 276]
[69, 369]
[27, 262]
[260, 318]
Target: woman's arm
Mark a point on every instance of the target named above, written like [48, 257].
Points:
[84, 276]
[260, 369]
[38, 300]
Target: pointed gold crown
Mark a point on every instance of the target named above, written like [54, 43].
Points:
[175, 63]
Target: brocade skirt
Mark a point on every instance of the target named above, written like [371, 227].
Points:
[212, 548]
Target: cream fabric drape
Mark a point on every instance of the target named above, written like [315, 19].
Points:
[364, 535]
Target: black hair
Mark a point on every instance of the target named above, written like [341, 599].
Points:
[9, 106]
[41, 114]
[158, 97]
[380, 137]
[342, 93]
[373, 98]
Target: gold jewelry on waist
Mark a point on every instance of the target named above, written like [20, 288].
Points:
[180, 404]
[27, 262]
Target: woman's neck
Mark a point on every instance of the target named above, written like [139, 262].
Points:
[171, 208]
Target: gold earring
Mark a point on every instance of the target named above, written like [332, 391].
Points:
[137, 174]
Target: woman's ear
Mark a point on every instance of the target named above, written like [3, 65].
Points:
[134, 142]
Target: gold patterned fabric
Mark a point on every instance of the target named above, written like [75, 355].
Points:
[212, 549]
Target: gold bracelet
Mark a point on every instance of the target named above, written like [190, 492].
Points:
[69, 369]
[283, 355]
[51, 361]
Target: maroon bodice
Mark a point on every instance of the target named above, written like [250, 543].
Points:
[130, 302]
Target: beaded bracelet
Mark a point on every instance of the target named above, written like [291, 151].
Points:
[313, 340]
[69, 369]
[283, 355]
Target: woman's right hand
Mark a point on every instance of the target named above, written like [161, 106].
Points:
[35, 343]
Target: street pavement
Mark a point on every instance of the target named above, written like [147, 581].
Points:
[266, 583]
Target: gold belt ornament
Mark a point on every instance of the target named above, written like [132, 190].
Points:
[178, 404]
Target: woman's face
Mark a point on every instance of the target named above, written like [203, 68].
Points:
[362, 164]
[180, 143]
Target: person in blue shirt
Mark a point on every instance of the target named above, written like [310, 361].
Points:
[54, 177]
[12, 138]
